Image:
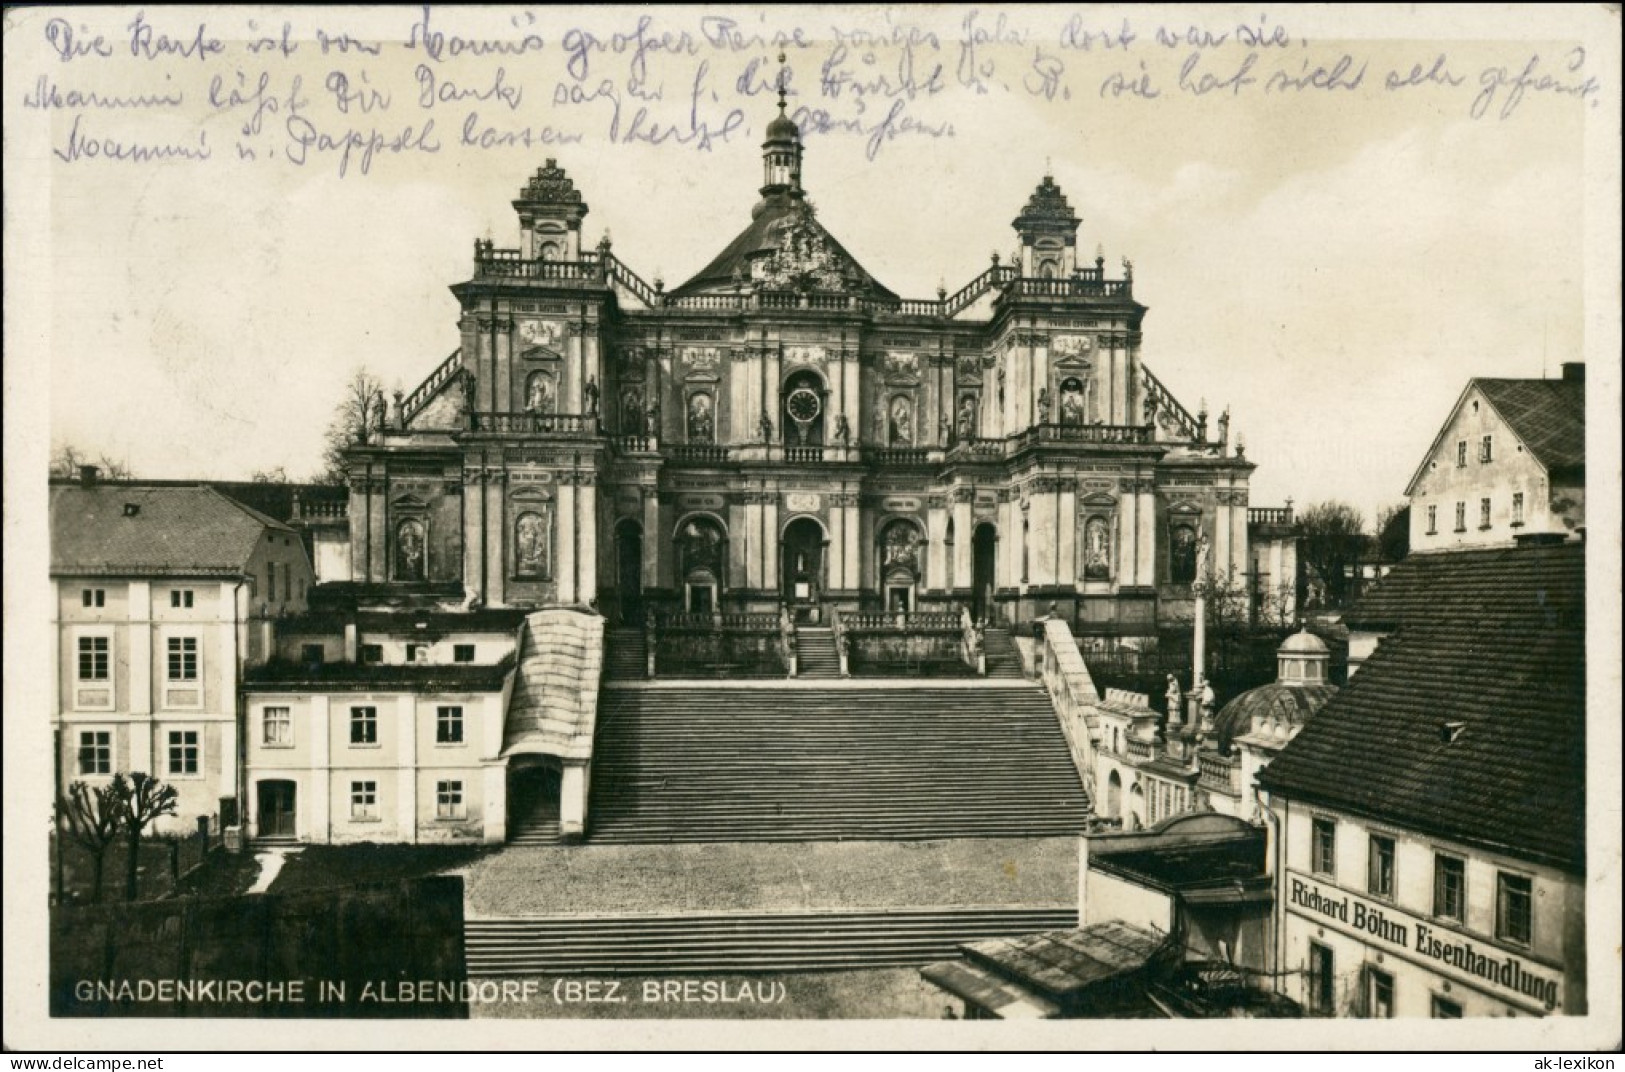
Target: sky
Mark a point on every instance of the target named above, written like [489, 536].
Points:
[1331, 264]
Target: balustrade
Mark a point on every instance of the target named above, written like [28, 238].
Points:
[527, 423]
[1218, 772]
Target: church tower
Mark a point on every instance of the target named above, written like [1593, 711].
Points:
[781, 154]
[550, 213]
[1049, 233]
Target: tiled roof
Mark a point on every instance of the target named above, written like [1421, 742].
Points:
[1465, 725]
[154, 530]
[285, 676]
[765, 233]
[1548, 415]
[1539, 585]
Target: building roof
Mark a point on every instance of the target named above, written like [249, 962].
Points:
[1548, 415]
[287, 676]
[152, 530]
[786, 227]
[1290, 706]
[1539, 584]
[1061, 965]
[1468, 723]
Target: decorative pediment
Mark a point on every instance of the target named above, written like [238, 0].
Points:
[541, 353]
[408, 502]
[1185, 508]
[531, 493]
[1100, 499]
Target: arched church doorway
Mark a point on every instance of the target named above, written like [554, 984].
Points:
[533, 794]
[801, 410]
[801, 561]
[900, 543]
[629, 570]
[1114, 796]
[701, 553]
[984, 548]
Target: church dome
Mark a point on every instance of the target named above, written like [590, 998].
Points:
[783, 129]
[1303, 643]
[1288, 707]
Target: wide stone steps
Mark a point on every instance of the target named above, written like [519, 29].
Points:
[697, 763]
[627, 658]
[742, 942]
[1003, 660]
[816, 656]
[536, 832]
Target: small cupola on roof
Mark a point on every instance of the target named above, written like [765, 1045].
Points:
[550, 212]
[781, 152]
[1049, 233]
[1302, 659]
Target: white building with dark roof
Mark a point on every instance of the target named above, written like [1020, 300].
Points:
[1509, 460]
[161, 595]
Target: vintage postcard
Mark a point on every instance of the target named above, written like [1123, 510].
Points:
[921, 526]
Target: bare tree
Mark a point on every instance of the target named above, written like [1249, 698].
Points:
[68, 459]
[93, 819]
[359, 414]
[142, 800]
[1333, 539]
[1394, 532]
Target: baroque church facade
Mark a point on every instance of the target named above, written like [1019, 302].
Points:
[782, 429]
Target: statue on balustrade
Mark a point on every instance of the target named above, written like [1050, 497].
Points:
[843, 431]
[764, 427]
[967, 418]
[590, 391]
[1043, 405]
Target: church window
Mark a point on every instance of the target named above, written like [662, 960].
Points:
[533, 544]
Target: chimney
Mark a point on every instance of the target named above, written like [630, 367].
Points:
[1574, 371]
[89, 475]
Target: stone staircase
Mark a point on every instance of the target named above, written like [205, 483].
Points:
[815, 653]
[848, 761]
[742, 942]
[1003, 660]
[627, 658]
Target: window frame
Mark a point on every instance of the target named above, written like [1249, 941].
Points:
[1321, 978]
[1461, 516]
[182, 598]
[1486, 449]
[450, 803]
[1323, 827]
[463, 653]
[1483, 513]
[1387, 891]
[101, 749]
[1517, 508]
[1376, 979]
[175, 645]
[84, 640]
[195, 745]
[1461, 454]
[1433, 520]
[94, 598]
[1439, 1004]
[1503, 931]
[364, 726]
[1458, 866]
[283, 716]
[449, 718]
[370, 655]
[364, 801]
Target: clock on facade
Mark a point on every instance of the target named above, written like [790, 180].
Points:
[803, 405]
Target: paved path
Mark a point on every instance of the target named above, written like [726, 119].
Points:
[789, 876]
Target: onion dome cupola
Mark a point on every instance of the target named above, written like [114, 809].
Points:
[550, 212]
[1272, 714]
[781, 153]
[1049, 233]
